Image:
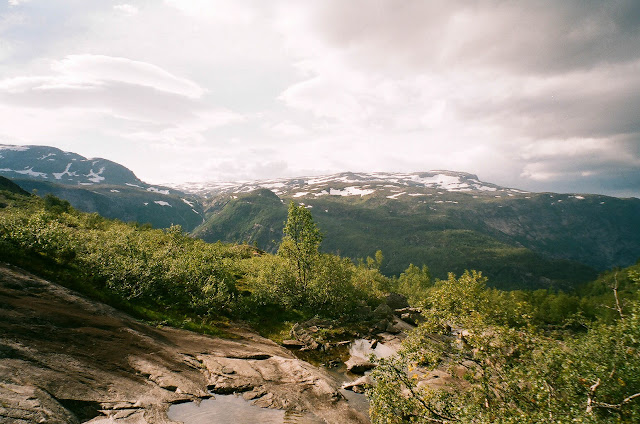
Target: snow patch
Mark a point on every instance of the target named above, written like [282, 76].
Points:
[132, 185]
[395, 196]
[58, 175]
[188, 203]
[95, 177]
[347, 191]
[156, 190]
[162, 203]
[14, 148]
[30, 172]
[300, 194]
[114, 191]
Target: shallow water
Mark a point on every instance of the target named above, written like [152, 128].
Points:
[224, 409]
[362, 349]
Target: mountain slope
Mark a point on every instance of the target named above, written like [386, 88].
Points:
[98, 185]
[447, 220]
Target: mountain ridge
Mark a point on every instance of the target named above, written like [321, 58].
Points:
[98, 185]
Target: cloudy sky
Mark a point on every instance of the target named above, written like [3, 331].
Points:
[540, 95]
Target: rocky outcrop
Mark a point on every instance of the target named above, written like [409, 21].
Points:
[66, 359]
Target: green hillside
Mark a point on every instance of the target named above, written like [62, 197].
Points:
[537, 240]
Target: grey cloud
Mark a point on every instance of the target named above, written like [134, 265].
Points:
[522, 36]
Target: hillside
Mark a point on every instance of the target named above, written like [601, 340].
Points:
[98, 185]
[447, 220]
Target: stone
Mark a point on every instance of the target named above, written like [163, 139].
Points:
[383, 311]
[359, 385]
[116, 366]
[293, 344]
[396, 301]
[358, 365]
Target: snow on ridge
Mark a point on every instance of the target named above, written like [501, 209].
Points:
[59, 175]
[95, 177]
[132, 185]
[156, 190]
[30, 172]
[347, 191]
[162, 203]
[395, 196]
[14, 148]
[188, 202]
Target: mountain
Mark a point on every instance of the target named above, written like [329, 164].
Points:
[449, 221]
[98, 185]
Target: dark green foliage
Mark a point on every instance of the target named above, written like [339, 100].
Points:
[447, 237]
[8, 185]
[505, 366]
[150, 268]
[300, 243]
[257, 217]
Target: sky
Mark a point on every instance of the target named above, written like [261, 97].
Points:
[541, 95]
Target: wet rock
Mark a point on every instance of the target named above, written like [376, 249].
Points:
[359, 385]
[126, 372]
[253, 394]
[229, 387]
[358, 365]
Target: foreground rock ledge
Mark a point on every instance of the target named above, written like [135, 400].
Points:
[66, 359]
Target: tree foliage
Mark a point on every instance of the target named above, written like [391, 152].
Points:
[493, 368]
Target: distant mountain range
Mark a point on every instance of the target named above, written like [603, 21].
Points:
[98, 185]
[450, 221]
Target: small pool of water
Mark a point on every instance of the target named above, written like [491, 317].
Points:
[225, 409]
[362, 349]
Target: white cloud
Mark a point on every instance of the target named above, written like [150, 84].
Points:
[17, 2]
[511, 91]
[127, 9]
[98, 69]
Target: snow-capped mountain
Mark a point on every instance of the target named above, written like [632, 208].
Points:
[392, 185]
[54, 165]
[97, 185]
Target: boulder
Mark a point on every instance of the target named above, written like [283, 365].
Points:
[383, 311]
[293, 344]
[359, 385]
[358, 365]
[396, 301]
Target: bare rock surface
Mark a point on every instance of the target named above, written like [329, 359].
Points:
[67, 359]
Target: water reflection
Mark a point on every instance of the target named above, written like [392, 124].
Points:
[361, 348]
[224, 409]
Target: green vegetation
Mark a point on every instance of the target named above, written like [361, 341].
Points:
[500, 361]
[517, 242]
[501, 356]
[167, 276]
